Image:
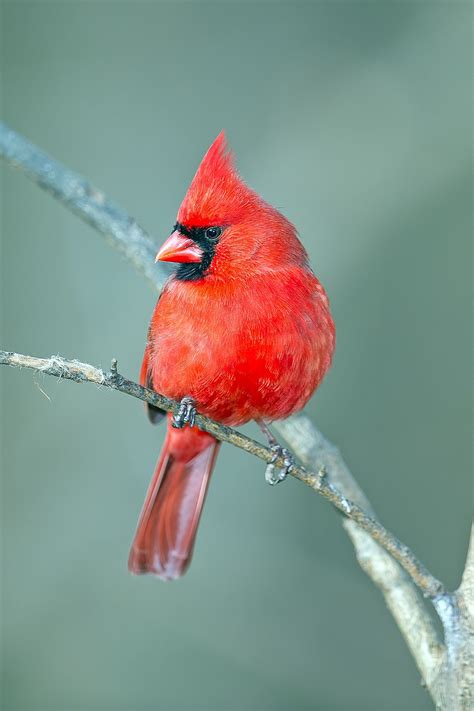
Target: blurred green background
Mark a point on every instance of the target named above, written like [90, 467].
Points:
[355, 120]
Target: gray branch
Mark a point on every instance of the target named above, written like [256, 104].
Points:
[388, 562]
[319, 482]
[86, 201]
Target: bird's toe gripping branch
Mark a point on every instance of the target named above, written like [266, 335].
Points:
[275, 475]
[186, 414]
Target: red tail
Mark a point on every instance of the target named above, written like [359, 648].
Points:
[163, 543]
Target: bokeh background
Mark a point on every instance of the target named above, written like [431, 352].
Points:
[355, 120]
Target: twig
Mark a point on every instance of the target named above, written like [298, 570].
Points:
[307, 442]
[83, 372]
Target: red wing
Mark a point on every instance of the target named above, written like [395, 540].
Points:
[155, 415]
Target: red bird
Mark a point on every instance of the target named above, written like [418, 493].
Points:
[241, 331]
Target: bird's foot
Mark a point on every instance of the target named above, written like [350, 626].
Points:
[275, 475]
[186, 414]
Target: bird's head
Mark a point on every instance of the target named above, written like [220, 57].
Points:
[223, 225]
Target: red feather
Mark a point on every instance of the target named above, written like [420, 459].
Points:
[164, 541]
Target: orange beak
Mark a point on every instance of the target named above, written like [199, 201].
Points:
[179, 249]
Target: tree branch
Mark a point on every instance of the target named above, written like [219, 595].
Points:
[399, 593]
[455, 683]
[86, 201]
[376, 549]
[83, 372]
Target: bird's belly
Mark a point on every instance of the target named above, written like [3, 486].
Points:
[238, 371]
[241, 389]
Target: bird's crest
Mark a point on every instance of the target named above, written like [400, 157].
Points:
[217, 193]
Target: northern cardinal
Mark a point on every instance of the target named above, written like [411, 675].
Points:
[241, 331]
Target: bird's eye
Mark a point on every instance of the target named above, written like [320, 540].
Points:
[213, 233]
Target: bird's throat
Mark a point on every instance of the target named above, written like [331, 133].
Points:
[195, 270]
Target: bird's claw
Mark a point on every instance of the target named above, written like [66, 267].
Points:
[275, 475]
[186, 414]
